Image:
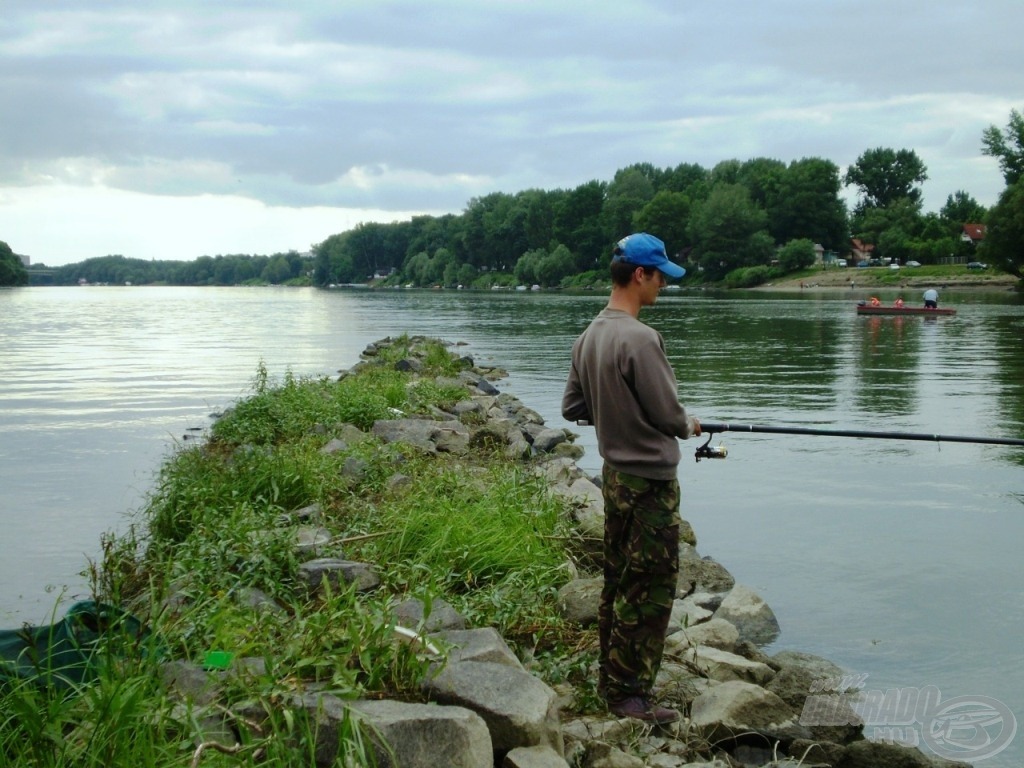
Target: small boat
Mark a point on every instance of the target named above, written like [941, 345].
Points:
[863, 308]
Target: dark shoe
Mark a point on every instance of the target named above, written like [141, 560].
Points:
[639, 708]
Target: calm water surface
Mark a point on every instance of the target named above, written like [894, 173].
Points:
[897, 560]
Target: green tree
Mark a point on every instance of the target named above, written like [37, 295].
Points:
[885, 175]
[539, 223]
[526, 267]
[891, 228]
[667, 216]
[725, 172]
[12, 271]
[578, 224]
[1003, 245]
[1007, 147]
[555, 266]
[960, 208]
[797, 254]
[629, 191]
[691, 179]
[729, 231]
[763, 178]
[277, 270]
[808, 205]
[334, 262]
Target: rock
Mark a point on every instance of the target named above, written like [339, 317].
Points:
[704, 574]
[338, 573]
[409, 364]
[686, 613]
[723, 666]
[871, 754]
[483, 644]
[485, 387]
[751, 615]
[533, 757]
[816, 752]
[716, 633]
[311, 540]
[517, 707]
[417, 735]
[354, 470]
[189, 682]
[558, 470]
[547, 439]
[259, 601]
[802, 676]
[398, 482]
[334, 445]
[453, 438]
[734, 708]
[311, 514]
[419, 433]
[412, 614]
[600, 755]
[579, 599]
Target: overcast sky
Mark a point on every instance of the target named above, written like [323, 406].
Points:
[176, 129]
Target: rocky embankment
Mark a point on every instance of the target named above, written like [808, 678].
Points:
[483, 706]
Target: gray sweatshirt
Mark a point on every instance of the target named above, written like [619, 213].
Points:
[622, 382]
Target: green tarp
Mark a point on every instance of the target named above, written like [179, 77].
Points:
[69, 653]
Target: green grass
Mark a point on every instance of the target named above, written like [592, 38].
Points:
[481, 534]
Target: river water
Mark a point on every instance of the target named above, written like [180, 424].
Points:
[897, 560]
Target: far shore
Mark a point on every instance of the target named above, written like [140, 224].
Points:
[860, 280]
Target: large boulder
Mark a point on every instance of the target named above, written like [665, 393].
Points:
[751, 615]
[403, 734]
[519, 709]
[480, 644]
[736, 710]
[716, 664]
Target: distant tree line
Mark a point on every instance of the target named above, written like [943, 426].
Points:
[729, 217]
[278, 269]
[735, 223]
[12, 271]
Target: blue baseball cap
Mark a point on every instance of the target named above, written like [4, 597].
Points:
[646, 251]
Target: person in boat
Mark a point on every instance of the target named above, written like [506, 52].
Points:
[931, 299]
[621, 381]
[898, 303]
[875, 302]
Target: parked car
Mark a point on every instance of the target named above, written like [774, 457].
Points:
[840, 262]
[894, 265]
[913, 263]
[976, 265]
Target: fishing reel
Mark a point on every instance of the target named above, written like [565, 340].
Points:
[708, 451]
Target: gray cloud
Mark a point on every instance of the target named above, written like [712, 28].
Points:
[413, 106]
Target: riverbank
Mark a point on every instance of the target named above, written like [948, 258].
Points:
[278, 556]
[902, 279]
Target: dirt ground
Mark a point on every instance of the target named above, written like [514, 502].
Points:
[854, 278]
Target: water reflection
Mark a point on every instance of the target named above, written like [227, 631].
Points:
[850, 541]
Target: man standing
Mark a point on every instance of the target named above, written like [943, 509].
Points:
[931, 299]
[622, 382]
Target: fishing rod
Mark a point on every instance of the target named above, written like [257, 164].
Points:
[706, 451]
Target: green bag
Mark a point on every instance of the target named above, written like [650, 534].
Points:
[69, 653]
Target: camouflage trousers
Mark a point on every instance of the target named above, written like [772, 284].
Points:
[641, 564]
